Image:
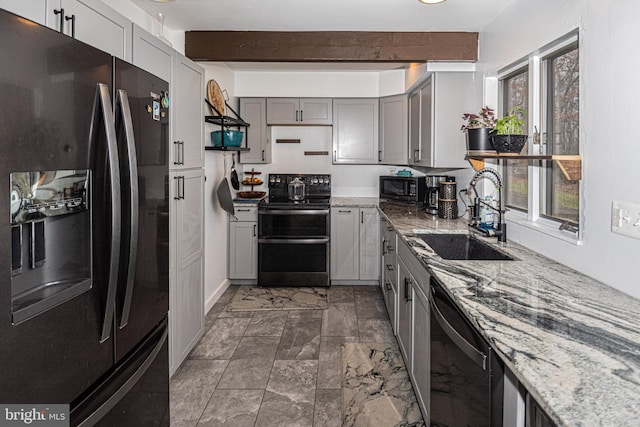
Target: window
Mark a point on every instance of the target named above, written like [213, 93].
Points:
[515, 93]
[560, 198]
[547, 86]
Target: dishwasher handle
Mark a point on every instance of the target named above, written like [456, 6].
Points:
[467, 348]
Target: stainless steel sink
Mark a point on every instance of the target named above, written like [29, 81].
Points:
[462, 247]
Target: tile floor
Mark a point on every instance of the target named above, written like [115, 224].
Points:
[286, 368]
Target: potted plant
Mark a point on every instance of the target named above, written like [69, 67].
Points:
[508, 133]
[477, 128]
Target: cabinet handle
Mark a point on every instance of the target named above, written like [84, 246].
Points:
[361, 217]
[176, 152]
[263, 155]
[335, 155]
[72, 18]
[61, 13]
[379, 155]
[384, 247]
[182, 194]
[182, 153]
[407, 289]
[388, 286]
[176, 179]
[254, 230]
[415, 158]
[243, 210]
[297, 115]
[344, 211]
[301, 119]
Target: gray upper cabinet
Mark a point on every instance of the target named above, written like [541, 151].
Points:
[435, 139]
[394, 130]
[299, 111]
[151, 54]
[355, 131]
[90, 21]
[253, 111]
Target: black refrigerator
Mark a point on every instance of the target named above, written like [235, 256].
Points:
[84, 230]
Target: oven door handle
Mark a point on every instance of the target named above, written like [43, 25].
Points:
[472, 352]
[313, 241]
[294, 212]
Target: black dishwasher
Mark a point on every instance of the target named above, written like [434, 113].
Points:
[466, 375]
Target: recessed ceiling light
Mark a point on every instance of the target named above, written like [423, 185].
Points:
[428, 1]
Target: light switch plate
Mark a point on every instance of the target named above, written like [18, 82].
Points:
[625, 219]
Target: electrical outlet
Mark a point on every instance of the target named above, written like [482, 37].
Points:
[625, 219]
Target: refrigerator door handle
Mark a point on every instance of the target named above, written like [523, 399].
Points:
[125, 110]
[103, 101]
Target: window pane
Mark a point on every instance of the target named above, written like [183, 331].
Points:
[516, 94]
[563, 134]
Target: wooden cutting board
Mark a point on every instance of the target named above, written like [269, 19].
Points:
[214, 96]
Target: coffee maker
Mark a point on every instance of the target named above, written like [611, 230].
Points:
[433, 192]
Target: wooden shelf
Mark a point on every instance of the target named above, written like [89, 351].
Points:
[570, 165]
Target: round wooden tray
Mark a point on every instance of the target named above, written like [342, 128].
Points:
[252, 194]
[252, 181]
[214, 95]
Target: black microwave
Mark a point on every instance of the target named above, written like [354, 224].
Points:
[409, 189]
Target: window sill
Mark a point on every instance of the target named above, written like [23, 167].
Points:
[549, 228]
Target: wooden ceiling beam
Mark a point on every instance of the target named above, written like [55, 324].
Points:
[331, 46]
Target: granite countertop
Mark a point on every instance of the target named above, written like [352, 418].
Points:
[572, 341]
[360, 202]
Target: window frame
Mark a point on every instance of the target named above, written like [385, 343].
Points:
[534, 218]
[514, 70]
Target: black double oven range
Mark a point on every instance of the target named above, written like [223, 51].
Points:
[293, 235]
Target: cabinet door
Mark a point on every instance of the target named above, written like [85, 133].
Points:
[95, 23]
[243, 250]
[253, 111]
[355, 131]
[394, 130]
[421, 372]
[283, 111]
[414, 127]
[187, 114]
[405, 312]
[35, 10]
[369, 250]
[316, 111]
[426, 125]
[345, 245]
[451, 95]
[150, 54]
[186, 304]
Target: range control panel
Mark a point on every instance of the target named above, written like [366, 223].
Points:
[315, 185]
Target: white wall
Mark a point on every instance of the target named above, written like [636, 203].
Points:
[216, 231]
[609, 91]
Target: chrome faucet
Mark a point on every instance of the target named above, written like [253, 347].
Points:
[501, 231]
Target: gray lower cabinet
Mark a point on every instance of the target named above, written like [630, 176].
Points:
[389, 270]
[354, 244]
[254, 111]
[243, 245]
[355, 131]
[414, 323]
[405, 312]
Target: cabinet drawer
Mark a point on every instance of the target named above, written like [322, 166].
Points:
[245, 213]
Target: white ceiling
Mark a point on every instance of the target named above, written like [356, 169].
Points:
[324, 15]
